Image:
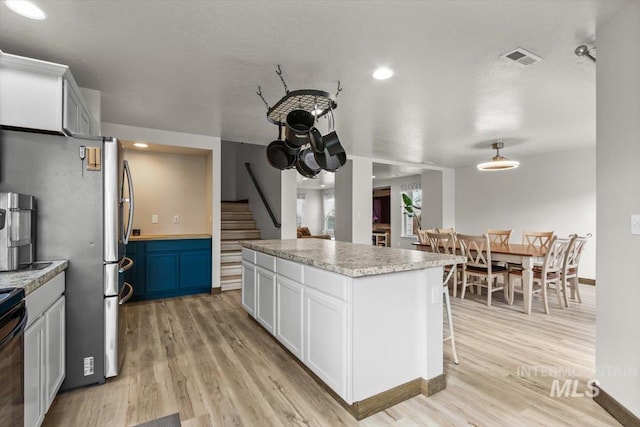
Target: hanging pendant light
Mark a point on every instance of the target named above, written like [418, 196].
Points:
[498, 163]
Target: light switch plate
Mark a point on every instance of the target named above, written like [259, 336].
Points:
[635, 224]
[154, 219]
[176, 219]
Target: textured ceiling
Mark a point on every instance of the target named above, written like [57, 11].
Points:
[194, 66]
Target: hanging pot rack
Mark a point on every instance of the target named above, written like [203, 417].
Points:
[315, 153]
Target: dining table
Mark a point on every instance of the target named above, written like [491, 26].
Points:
[513, 253]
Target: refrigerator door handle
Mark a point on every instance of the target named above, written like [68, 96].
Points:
[124, 298]
[130, 200]
[125, 264]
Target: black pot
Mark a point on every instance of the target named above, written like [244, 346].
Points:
[298, 124]
[279, 155]
[306, 163]
[315, 139]
[329, 162]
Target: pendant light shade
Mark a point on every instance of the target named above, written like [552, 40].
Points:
[498, 163]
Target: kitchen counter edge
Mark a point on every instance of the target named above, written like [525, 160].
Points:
[30, 280]
[436, 260]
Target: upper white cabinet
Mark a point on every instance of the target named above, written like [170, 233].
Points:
[42, 96]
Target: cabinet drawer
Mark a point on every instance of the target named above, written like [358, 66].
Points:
[249, 255]
[325, 281]
[266, 261]
[44, 297]
[289, 269]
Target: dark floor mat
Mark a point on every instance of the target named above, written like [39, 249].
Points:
[172, 420]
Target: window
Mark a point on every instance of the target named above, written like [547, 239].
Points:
[329, 211]
[300, 209]
[411, 220]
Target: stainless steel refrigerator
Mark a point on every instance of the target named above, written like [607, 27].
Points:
[84, 210]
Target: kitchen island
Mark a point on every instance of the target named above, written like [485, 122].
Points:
[365, 321]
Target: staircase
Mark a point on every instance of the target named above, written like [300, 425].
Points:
[236, 223]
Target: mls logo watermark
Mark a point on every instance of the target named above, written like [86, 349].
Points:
[569, 388]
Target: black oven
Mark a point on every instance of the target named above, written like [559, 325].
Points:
[13, 319]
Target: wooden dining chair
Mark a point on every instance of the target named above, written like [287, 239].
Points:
[445, 243]
[422, 235]
[446, 230]
[549, 273]
[499, 236]
[478, 266]
[570, 265]
[537, 238]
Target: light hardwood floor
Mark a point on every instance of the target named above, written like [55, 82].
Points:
[201, 356]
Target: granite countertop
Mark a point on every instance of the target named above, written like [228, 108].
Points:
[169, 237]
[30, 280]
[349, 259]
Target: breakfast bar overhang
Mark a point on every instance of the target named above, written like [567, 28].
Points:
[366, 321]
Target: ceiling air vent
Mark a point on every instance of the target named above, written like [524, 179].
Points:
[521, 57]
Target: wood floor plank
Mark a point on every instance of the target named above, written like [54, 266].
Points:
[203, 357]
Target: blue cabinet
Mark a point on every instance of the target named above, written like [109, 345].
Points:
[168, 268]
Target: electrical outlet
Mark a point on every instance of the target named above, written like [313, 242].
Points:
[154, 219]
[176, 219]
[88, 366]
[635, 224]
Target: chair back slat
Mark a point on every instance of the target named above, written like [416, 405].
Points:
[476, 249]
[443, 243]
[499, 236]
[537, 238]
[445, 230]
[554, 258]
[574, 251]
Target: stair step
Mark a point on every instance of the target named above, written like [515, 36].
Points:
[230, 245]
[234, 207]
[230, 269]
[230, 256]
[238, 225]
[236, 216]
[239, 234]
[229, 283]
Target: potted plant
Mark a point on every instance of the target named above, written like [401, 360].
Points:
[411, 210]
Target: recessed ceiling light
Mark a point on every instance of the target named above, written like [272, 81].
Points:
[26, 9]
[382, 73]
[141, 145]
[373, 177]
[322, 185]
[304, 179]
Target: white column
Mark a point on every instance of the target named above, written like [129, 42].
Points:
[617, 198]
[216, 194]
[354, 201]
[288, 190]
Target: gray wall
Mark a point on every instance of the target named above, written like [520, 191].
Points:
[269, 179]
[228, 170]
[618, 197]
[344, 196]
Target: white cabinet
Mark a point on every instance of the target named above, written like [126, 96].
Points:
[41, 95]
[249, 287]
[289, 320]
[35, 374]
[44, 349]
[55, 348]
[266, 298]
[325, 339]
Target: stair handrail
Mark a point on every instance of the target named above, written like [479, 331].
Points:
[262, 196]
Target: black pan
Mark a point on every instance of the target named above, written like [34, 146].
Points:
[279, 155]
[306, 163]
[332, 143]
[298, 124]
[331, 163]
[315, 139]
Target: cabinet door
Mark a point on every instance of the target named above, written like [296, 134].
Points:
[325, 350]
[289, 319]
[34, 373]
[84, 123]
[162, 271]
[249, 287]
[54, 344]
[266, 299]
[195, 269]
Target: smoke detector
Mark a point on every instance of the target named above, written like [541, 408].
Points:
[521, 57]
